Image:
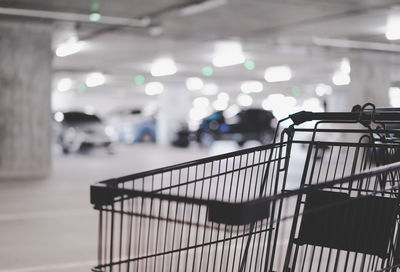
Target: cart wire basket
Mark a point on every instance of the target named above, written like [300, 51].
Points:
[251, 210]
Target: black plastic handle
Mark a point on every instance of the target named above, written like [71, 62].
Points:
[377, 115]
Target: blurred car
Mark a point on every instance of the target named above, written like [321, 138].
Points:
[133, 126]
[79, 131]
[248, 124]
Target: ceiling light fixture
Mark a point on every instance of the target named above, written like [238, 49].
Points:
[223, 96]
[393, 25]
[64, 84]
[163, 67]
[202, 6]
[244, 100]
[210, 89]
[228, 53]
[345, 66]
[201, 102]
[220, 105]
[252, 86]
[139, 80]
[249, 65]
[207, 71]
[394, 96]
[154, 88]
[341, 79]
[323, 89]
[194, 83]
[95, 79]
[278, 74]
[69, 47]
[95, 15]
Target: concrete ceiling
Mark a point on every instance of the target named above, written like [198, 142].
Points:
[272, 32]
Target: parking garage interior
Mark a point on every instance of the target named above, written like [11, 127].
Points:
[92, 90]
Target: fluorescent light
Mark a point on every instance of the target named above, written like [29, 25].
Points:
[345, 66]
[201, 102]
[228, 60]
[95, 79]
[201, 7]
[220, 104]
[228, 53]
[323, 89]
[251, 86]
[278, 74]
[244, 100]
[394, 96]
[154, 88]
[70, 47]
[393, 27]
[340, 79]
[280, 105]
[210, 89]
[64, 84]
[223, 96]
[163, 67]
[194, 84]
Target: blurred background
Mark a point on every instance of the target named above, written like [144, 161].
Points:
[95, 89]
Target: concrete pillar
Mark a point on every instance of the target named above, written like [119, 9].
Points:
[25, 90]
[174, 106]
[370, 79]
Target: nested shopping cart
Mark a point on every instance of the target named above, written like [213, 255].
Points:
[257, 209]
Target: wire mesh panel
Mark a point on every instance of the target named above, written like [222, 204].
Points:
[140, 232]
[251, 210]
[347, 225]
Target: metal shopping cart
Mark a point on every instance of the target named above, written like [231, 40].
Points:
[240, 211]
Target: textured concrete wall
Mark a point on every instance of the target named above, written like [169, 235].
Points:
[25, 78]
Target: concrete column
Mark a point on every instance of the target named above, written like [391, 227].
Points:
[25, 90]
[174, 106]
[370, 79]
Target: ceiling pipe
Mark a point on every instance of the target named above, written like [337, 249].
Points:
[76, 17]
[359, 45]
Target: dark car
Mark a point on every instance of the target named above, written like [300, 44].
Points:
[248, 124]
[80, 131]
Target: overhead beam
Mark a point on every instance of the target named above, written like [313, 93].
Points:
[75, 17]
[359, 45]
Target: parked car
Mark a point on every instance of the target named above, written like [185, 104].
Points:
[248, 124]
[79, 131]
[133, 126]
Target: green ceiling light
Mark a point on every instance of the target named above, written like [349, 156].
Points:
[208, 71]
[139, 80]
[249, 65]
[95, 5]
[81, 88]
[296, 90]
[95, 17]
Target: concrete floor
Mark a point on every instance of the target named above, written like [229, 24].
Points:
[49, 225]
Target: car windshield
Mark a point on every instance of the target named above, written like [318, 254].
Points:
[80, 117]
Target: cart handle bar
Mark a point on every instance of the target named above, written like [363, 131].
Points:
[224, 212]
[378, 116]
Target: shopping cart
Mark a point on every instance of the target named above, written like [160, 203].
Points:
[237, 211]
